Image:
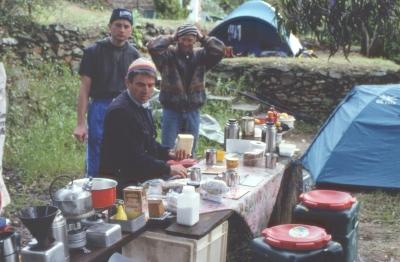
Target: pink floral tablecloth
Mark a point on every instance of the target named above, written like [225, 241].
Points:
[257, 204]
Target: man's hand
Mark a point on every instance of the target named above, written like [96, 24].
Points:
[178, 170]
[200, 36]
[174, 37]
[178, 155]
[80, 133]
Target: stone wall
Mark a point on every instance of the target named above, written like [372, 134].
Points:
[47, 43]
[307, 86]
[131, 4]
[313, 90]
[58, 42]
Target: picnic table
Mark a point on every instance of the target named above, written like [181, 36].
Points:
[267, 203]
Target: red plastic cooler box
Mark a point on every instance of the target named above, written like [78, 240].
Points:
[295, 242]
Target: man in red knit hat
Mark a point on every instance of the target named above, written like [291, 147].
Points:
[130, 153]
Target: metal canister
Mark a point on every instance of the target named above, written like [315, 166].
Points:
[268, 160]
[247, 126]
[59, 230]
[274, 160]
[211, 156]
[10, 244]
[233, 178]
[231, 130]
[195, 175]
[270, 138]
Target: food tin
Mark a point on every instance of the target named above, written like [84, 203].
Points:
[211, 156]
[232, 162]
[103, 235]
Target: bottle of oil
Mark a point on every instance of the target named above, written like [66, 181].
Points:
[120, 214]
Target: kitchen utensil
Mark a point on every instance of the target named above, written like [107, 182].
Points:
[59, 231]
[38, 220]
[10, 243]
[211, 156]
[103, 190]
[231, 130]
[247, 126]
[270, 138]
[195, 176]
[103, 235]
[74, 200]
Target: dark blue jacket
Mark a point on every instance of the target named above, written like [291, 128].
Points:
[130, 153]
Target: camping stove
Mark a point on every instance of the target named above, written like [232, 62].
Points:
[76, 234]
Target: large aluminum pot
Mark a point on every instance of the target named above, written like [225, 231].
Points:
[74, 200]
[104, 191]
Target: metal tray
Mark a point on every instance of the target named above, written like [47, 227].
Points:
[130, 225]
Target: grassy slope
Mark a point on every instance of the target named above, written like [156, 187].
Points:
[75, 15]
[337, 63]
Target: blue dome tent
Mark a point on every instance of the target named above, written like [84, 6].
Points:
[251, 29]
[359, 144]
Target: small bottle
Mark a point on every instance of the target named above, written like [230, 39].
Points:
[188, 206]
[120, 214]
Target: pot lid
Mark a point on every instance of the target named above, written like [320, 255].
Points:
[296, 237]
[327, 199]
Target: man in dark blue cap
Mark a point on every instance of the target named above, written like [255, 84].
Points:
[103, 68]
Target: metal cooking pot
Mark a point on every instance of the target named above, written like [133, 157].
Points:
[74, 200]
[104, 191]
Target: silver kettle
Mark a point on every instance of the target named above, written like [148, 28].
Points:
[74, 201]
[10, 244]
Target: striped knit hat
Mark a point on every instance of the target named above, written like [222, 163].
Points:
[142, 65]
[187, 29]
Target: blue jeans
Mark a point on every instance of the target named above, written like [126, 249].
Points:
[95, 120]
[174, 123]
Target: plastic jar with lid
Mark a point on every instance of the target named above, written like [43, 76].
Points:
[188, 206]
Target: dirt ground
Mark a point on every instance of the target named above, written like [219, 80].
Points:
[378, 237]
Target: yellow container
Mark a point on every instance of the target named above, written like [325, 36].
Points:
[220, 155]
[232, 162]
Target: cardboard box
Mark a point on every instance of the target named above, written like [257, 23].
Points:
[135, 201]
[185, 142]
[156, 207]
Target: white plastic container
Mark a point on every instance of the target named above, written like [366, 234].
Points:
[188, 207]
[286, 149]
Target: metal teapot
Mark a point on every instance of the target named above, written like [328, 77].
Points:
[74, 201]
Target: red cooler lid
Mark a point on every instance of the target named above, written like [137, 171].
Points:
[327, 199]
[296, 237]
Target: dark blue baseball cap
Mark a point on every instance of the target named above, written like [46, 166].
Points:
[121, 13]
